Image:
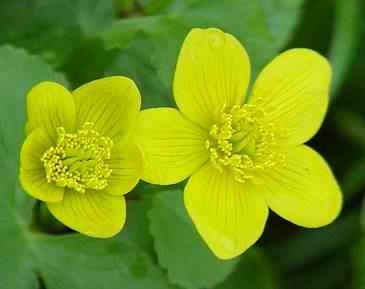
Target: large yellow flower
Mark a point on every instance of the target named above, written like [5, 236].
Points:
[78, 156]
[244, 155]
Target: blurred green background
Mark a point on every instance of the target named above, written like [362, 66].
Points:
[75, 41]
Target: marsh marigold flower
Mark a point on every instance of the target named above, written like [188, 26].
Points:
[243, 155]
[78, 156]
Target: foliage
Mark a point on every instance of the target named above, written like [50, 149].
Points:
[73, 42]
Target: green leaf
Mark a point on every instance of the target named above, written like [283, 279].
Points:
[345, 39]
[52, 28]
[134, 62]
[154, 6]
[75, 261]
[257, 24]
[59, 262]
[353, 182]
[308, 246]
[351, 125]
[93, 16]
[330, 273]
[189, 262]
[137, 230]
[88, 61]
[358, 262]
[254, 271]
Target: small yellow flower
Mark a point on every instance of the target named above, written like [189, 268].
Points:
[243, 155]
[78, 156]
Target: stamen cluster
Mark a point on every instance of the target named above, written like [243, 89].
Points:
[242, 142]
[78, 159]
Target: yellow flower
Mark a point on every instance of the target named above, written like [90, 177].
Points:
[78, 156]
[243, 155]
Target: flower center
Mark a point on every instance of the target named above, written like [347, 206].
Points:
[78, 159]
[242, 142]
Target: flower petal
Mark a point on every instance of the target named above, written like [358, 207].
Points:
[111, 103]
[293, 90]
[212, 73]
[94, 213]
[172, 147]
[303, 191]
[230, 216]
[126, 164]
[32, 172]
[50, 105]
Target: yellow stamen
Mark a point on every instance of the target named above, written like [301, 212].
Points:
[242, 142]
[78, 159]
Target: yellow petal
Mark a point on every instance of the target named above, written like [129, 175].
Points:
[126, 164]
[303, 191]
[32, 172]
[94, 213]
[212, 73]
[293, 90]
[230, 216]
[172, 147]
[50, 105]
[111, 103]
